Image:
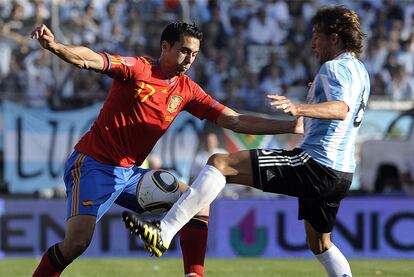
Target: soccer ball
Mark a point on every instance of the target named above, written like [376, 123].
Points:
[157, 191]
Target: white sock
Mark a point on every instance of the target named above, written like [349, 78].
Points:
[199, 195]
[334, 262]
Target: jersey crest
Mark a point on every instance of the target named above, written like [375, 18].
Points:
[174, 103]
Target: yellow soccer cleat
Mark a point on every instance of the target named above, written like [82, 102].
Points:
[149, 232]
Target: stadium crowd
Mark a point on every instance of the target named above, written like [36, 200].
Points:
[249, 48]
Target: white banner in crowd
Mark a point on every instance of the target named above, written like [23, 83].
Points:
[37, 143]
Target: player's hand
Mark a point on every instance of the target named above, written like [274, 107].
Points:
[282, 103]
[44, 36]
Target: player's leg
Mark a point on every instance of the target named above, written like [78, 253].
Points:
[327, 253]
[193, 236]
[320, 213]
[254, 168]
[91, 188]
[269, 170]
[78, 236]
[202, 192]
[193, 241]
[235, 167]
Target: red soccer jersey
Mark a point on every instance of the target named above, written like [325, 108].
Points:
[140, 107]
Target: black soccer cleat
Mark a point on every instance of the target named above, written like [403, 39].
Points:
[149, 232]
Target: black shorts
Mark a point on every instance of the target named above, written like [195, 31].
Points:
[319, 189]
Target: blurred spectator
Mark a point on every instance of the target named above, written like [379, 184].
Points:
[279, 11]
[209, 146]
[16, 18]
[230, 27]
[401, 86]
[41, 14]
[39, 79]
[272, 82]
[377, 86]
[199, 11]
[254, 98]
[367, 14]
[217, 72]
[405, 56]
[263, 29]
[294, 70]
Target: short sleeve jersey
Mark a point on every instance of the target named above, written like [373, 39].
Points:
[332, 142]
[139, 108]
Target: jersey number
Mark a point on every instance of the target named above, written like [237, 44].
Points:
[360, 112]
[141, 87]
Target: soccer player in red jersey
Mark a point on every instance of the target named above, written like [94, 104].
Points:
[145, 98]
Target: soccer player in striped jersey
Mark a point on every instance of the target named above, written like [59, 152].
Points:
[145, 98]
[318, 172]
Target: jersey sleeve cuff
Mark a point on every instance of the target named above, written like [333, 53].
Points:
[107, 61]
[216, 110]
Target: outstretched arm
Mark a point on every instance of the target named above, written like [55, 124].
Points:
[79, 56]
[249, 124]
[330, 110]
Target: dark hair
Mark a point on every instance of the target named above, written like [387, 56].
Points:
[343, 22]
[173, 31]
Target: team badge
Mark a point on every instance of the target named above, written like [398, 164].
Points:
[174, 103]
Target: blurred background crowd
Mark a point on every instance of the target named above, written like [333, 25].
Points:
[250, 47]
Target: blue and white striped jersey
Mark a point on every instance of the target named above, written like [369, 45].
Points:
[332, 142]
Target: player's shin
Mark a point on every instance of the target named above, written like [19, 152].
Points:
[202, 192]
[193, 241]
[52, 263]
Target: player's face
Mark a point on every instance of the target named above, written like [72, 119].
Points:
[182, 54]
[323, 46]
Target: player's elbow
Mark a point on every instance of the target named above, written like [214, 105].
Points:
[232, 122]
[342, 116]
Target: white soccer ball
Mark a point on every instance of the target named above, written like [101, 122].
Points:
[157, 191]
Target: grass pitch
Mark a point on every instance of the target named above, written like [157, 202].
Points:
[153, 267]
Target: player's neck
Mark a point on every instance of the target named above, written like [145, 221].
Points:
[168, 75]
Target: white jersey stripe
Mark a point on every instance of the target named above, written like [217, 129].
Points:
[301, 155]
[325, 85]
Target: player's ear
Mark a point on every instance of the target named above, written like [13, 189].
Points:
[165, 45]
[335, 38]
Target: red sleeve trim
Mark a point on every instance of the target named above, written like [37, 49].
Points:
[215, 112]
[106, 60]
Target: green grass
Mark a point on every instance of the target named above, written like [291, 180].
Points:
[153, 267]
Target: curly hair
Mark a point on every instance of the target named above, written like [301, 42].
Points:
[343, 22]
[173, 31]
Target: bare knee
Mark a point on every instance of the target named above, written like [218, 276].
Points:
[78, 236]
[219, 161]
[318, 245]
[317, 242]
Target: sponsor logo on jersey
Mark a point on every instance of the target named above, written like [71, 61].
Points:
[174, 103]
[269, 174]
